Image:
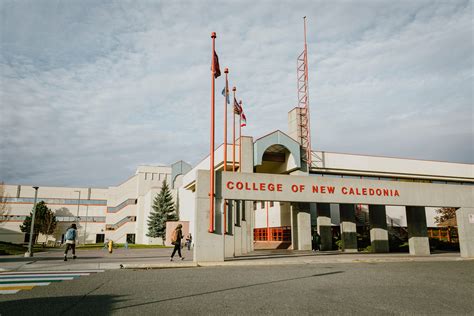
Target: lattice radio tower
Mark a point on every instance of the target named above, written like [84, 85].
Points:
[303, 100]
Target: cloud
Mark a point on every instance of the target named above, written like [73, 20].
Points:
[90, 89]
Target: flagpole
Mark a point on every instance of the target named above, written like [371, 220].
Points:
[226, 96]
[211, 163]
[233, 134]
[240, 136]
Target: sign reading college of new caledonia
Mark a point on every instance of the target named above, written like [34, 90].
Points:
[272, 187]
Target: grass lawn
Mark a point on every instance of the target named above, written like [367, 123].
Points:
[7, 248]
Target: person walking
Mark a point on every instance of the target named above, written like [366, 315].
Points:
[176, 237]
[71, 235]
[189, 240]
[316, 240]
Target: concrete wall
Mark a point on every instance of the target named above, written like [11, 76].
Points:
[393, 166]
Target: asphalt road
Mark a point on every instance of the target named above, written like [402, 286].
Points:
[440, 288]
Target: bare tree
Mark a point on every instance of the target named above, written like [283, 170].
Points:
[447, 216]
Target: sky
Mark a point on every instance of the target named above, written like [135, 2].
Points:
[89, 90]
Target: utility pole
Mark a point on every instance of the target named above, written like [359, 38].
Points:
[78, 202]
[77, 214]
[32, 228]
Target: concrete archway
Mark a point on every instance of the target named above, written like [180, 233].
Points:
[276, 153]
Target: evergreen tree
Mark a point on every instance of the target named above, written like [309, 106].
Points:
[163, 211]
[45, 221]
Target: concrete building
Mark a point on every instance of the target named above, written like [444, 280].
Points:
[272, 193]
[118, 213]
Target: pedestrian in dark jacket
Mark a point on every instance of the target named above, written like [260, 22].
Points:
[176, 237]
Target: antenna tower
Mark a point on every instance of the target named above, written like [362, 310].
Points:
[303, 101]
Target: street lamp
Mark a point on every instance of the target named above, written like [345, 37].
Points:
[78, 202]
[32, 228]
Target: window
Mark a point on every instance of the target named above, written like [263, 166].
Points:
[131, 238]
[99, 238]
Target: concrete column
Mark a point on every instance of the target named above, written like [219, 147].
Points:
[323, 211]
[304, 230]
[294, 226]
[238, 229]
[348, 228]
[247, 154]
[417, 231]
[250, 225]
[207, 246]
[378, 228]
[465, 219]
[229, 237]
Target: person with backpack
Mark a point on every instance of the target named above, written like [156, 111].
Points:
[176, 237]
[71, 235]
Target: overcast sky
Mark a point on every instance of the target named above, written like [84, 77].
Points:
[92, 89]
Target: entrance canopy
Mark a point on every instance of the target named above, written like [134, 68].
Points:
[272, 187]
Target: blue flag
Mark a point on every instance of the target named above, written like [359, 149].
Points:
[226, 95]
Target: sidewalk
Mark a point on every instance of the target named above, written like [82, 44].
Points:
[158, 258]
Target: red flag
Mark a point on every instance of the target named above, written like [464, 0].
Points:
[216, 68]
[243, 120]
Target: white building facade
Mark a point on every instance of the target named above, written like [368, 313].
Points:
[120, 213]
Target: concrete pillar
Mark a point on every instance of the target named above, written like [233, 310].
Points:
[294, 124]
[304, 230]
[229, 247]
[250, 225]
[417, 231]
[465, 219]
[378, 228]
[207, 246]
[323, 211]
[247, 225]
[348, 228]
[294, 226]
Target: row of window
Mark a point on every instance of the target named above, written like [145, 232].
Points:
[262, 204]
[80, 218]
[157, 176]
[55, 201]
[345, 176]
[7, 218]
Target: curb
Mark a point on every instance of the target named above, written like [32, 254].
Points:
[146, 266]
[273, 262]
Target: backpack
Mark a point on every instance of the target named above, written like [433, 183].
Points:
[174, 236]
[71, 234]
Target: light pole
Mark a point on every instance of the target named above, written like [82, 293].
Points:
[78, 202]
[77, 214]
[32, 228]
[85, 225]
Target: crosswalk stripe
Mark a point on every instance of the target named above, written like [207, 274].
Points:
[5, 277]
[52, 279]
[9, 291]
[13, 282]
[51, 272]
[4, 286]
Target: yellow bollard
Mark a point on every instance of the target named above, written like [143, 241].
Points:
[111, 246]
